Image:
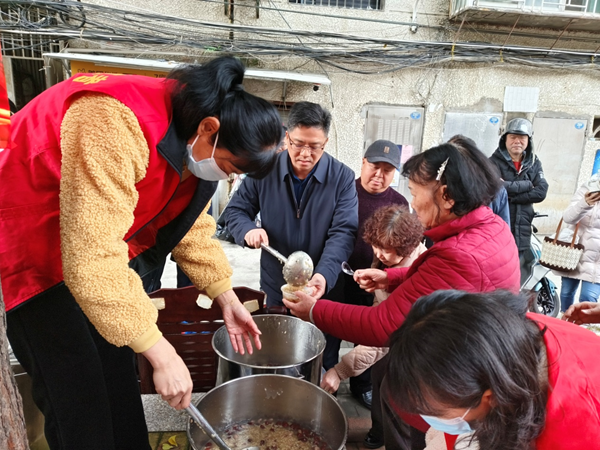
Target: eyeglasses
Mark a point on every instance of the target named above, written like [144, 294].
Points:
[313, 149]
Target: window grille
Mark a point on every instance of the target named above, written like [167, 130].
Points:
[23, 45]
[351, 4]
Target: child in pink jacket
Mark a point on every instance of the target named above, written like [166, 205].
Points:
[395, 235]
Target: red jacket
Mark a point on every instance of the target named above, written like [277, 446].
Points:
[573, 408]
[30, 170]
[475, 253]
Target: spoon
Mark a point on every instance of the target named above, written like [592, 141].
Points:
[209, 430]
[297, 268]
[347, 269]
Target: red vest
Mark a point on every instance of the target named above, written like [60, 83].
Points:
[30, 171]
[573, 408]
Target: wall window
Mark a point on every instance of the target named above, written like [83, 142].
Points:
[352, 4]
[596, 129]
[483, 128]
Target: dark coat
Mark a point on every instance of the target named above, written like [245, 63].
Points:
[324, 224]
[524, 188]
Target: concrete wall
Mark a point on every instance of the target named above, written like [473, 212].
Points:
[454, 86]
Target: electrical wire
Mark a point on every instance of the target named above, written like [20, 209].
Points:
[343, 52]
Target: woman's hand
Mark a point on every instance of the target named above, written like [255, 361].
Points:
[331, 381]
[585, 312]
[591, 198]
[171, 377]
[302, 307]
[239, 322]
[371, 279]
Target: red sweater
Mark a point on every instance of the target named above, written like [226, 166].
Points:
[474, 253]
[573, 408]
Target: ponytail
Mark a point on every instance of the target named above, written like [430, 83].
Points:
[250, 126]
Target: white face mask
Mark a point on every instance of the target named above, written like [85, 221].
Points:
[207, 169]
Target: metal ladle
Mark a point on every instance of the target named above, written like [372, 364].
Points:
[209, 430]
[297, 268]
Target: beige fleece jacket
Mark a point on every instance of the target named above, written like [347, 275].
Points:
[104, 155]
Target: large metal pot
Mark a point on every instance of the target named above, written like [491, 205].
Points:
[275, 397]
[290, 346]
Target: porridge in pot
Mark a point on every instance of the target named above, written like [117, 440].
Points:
[268, 434]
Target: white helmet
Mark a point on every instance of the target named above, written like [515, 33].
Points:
[519, 126]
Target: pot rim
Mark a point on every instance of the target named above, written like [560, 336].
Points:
[319, 350]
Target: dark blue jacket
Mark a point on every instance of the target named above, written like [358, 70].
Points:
[500, 205]
[324, 224]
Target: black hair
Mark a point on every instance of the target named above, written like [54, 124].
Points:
[454, 346]
[307, 114]
[471, 179]
[250, 127]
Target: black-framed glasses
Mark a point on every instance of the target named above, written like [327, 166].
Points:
[312, 148]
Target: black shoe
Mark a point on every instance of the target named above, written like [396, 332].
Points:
[365, 399]
[371, 441]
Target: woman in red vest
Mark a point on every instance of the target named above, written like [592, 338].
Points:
[479, 362]
[106, 175]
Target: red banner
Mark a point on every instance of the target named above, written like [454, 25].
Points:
[4, 110]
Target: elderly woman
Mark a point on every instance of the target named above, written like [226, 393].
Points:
[478, 362]
[105, 176]
[473, 248]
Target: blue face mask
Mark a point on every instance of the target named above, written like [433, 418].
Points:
[207, 169]
[454, 426]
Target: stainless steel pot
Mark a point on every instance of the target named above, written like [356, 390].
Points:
[290, 346]
[275, 397]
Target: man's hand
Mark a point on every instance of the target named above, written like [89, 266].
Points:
[254, 237]
[331, 381]
[301, 308]
[240, 324]
[319, 284]
[591, 198]
[371, 279]
[171, 377]
[585, 312]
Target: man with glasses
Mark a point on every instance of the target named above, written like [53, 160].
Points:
[308, 202]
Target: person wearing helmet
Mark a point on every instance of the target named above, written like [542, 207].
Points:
[523, 176]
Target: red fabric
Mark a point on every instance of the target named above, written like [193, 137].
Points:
[573, 408]
[450, 441]
[30, 259]
[517, 165]
[475, 253]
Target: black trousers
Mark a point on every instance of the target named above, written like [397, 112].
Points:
[86, 388]
[386, 424]
[346, 290]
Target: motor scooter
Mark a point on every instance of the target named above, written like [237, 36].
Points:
[542, 292]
